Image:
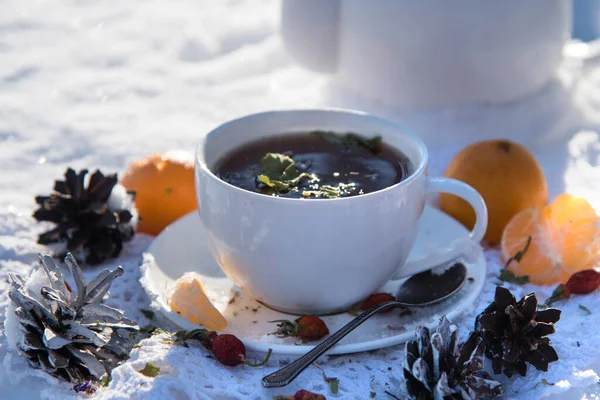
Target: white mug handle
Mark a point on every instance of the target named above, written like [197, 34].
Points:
[459, 247]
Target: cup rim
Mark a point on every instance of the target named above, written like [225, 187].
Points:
[419, 170]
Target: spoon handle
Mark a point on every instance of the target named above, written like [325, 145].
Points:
[287, 374]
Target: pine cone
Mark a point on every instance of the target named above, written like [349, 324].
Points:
[70, 335]
[513, 333]
[436, 367]
[95, 220]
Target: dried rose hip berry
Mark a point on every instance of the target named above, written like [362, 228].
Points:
[583, 282]
[375, 300]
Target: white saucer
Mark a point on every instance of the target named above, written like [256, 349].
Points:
[181, 247]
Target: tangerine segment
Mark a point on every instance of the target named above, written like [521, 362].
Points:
[539, 261]
[190, 301]
[572, 224]
[565, 238]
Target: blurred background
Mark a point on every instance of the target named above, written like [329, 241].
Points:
[586, 17]
[99, 83]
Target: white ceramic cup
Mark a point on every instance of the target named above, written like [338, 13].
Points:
[318, 256]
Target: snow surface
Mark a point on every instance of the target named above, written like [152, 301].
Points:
[97, 84]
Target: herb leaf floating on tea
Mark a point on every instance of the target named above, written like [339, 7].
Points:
[281, 173]
[92, 221]
[330, 192]
[350, 140]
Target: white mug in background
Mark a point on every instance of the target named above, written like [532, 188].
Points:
[416, 54]
[318, 256]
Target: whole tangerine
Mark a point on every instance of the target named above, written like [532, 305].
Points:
[164, 186]
[507, 176]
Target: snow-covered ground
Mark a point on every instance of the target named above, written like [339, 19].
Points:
[97, 84]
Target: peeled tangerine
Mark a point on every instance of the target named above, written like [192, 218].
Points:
[190, 301]
[565, 238]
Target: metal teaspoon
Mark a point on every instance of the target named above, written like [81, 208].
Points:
[420, 290]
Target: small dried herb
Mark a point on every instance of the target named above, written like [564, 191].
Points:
[519, 256]
[560, 293]
[334, 383]
[150, 370]
[196, 334]
[585, 309]
[105, 381]
[372, 394]
[544, 382]
[350, 140]
[507, 275]
[159, 331]
[148, 313]
[330, 192]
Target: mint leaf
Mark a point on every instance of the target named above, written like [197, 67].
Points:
[280, 172]
[277, 185]
[150, 370]
[508, 276]
[274, 165]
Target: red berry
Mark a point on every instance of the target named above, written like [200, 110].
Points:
[375, 300]
[311, 327]
[306, 395]
[229, 350]
[583, 282]
[208, 339]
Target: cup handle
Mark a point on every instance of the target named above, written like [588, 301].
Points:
[461, 247]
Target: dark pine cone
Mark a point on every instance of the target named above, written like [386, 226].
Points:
[92, 221]
[513, 333]
[436, 367]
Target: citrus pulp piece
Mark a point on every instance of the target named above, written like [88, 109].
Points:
[564, 240]
[190, 301]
